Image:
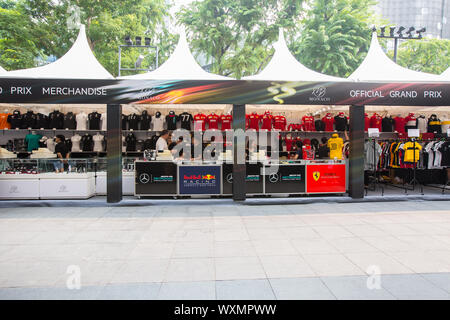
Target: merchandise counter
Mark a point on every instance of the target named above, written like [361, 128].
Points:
[167, 178]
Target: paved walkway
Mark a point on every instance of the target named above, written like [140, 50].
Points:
[228, 251]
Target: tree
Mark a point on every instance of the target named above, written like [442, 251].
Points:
[107, 23]
[234, 35]
[335, 36]
[426, 55]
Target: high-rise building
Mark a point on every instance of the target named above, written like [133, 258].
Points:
[431, 14]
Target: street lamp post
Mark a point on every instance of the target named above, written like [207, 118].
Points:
[138, 44]
[397, 36]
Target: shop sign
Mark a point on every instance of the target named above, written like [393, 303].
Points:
[199, 179]
[325, 178]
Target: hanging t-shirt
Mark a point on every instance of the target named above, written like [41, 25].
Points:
[335, 146]
[279, 123]
[434, 124]
[199, 122]
[171, 120]
[133, 121]
[131, 142]
[70, 121]
[94, 120]
[81, 121]
[4, 121]
[87, 143]
[319, 125]
[213, 121]
[323, 151]
[98, 142]
[32, 141]
[225, 121]
[341, 123]
[387, 124]
[253, 121]
[328, 121]
[15, 119]
[104, 122]
[50, 143]
[267, 120]
[376, 122]
[366, 122]
[28, 120]
[422, 124]
[146, 119]
[56, 120]
[308, 123]
[185, 119]
[400, 124]
[76, 143]
[157, 123]
[411, 122]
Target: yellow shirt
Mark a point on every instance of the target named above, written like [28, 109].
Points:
[411, 148]
[335, 146]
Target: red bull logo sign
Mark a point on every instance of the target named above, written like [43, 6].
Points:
[199, 180]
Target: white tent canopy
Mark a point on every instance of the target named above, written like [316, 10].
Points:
[2, 71]
[78, 63]
[378, 67]
[284, 67]
[446, 75]
[180, 65]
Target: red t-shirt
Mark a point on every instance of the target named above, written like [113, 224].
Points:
[400, 124]
[289, 143]
[308, 123]
[366, 123]
[225, 121]
[375, 121]
[253, 121]
[411, 121]
[328, 123]
[279, 123]
[199, 122]
[294, 127]
[267, 120]
[213, 121]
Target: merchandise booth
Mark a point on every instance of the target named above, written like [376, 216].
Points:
[323, 127]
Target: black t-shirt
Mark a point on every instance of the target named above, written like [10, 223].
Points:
[186, 119]
[387, 124]
[41, 121]
[94, 120]
[171, 120]
[124, 122]
[69, 121]
[340, 123]
[133, 121]
[28, 120]
[61, 148]
[56, 120]
[15, 119]
[323, 151]
[445, 151]
[131, 142]
[87, 143]
[146, 119]
[319, 125]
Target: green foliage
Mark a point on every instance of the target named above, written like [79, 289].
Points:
[426, 55]
[336, 35]
[54, 26]
[234, 35]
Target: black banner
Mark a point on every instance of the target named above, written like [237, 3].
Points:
[75, 91]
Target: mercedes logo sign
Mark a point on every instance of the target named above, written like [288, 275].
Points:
[229, 178]
[144, 178]
[273, 178]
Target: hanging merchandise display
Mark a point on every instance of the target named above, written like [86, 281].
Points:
[98, 142]
[76, 138]
[70, 121]
[279, 123]
[366, 122]
[308, 123]
[341, 122]
[253, 121]
[410, 122]
[186, 120]
[400, 123]
[199, 122]
[81, 119]
[328, 120]
[388, 124]
[213, 121]
[434, 124]
[376, 121]
[56, 119]
[133, 121]
[226, 121]
[335, 145]
[157, 122]
[266, 121]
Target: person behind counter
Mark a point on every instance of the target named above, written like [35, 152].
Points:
[61, 152]
[161, 143]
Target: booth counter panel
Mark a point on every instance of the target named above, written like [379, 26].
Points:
[200, 179]
[19, 186]
[326, 178]
[155, 178]
[66, 186]
[285, 178]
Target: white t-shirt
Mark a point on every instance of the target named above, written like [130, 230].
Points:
[161, 144]
[98, 142]
[50, 144]
[76, 143]
[81, 121]
[422, 124]
[104, 122]
[158, 123]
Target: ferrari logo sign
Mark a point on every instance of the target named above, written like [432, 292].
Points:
[316, 175]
